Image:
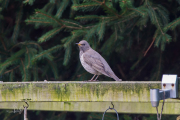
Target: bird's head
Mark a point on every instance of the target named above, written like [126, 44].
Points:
[83, 45]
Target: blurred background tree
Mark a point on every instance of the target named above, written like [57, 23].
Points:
[139, 39]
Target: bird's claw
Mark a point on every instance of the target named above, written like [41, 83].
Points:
[91, 81]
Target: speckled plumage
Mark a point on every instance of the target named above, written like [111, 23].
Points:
[93, 62]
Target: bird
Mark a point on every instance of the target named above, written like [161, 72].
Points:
[93, 62]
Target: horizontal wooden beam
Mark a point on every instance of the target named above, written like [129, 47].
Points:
[127, 97]
[121, 107]
[77, 91]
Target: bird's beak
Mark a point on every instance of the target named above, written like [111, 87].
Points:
[78, 44]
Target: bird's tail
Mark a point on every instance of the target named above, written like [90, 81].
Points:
[116, 78]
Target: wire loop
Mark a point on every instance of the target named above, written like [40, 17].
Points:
[111, 109]
[159, 115]
[26, 104]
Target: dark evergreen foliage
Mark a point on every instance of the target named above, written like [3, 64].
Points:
[139, 39]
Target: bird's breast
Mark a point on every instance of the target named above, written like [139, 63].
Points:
[86, 66]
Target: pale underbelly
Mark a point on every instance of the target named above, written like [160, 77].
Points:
[87, 67]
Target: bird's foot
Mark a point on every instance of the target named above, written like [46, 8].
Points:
[91, 80]
[119, 80]
[96, 80]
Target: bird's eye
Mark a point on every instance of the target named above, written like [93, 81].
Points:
[83, 44]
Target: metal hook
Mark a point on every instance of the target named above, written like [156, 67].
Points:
[111, 109]
[26, 104]
[112, 105]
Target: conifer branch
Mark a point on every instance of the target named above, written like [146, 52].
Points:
[154, 14]
[158, 40]
[123, 13]
[61, 8]
[149, 47]
[16, 28]
[70, 39]
[80, 6]
[50, 34]
[85, 17]
[138, 11]
[172, 24]
[6, 63]
[154, 38]
[103, 4]
[128, 17]
[38, 56]
[91, 17]
[46, 52]
[15, 46]
[33, 43]
[101, 30]
[159, 25]
[11, 70]
[164, 16]
[50, 17]
[67, 55]
[89, 27]
[72, 23]
[30, 21]
[25, 43]
[73, 27]
[98, 2]
[91, 32]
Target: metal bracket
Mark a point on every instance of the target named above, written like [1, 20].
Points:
[169, 90]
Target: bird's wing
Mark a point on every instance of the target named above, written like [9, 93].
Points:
[94, 59]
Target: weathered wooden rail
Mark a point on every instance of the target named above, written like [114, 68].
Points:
[127, 97]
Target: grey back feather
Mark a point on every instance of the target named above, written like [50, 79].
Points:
[96, 61]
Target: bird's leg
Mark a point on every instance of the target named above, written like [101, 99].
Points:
[92, 78]
[96, 78]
